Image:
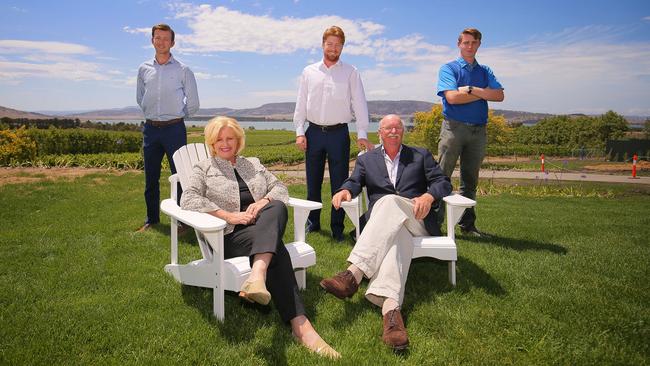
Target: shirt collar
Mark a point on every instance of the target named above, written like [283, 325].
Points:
[322, 65]
[465, 64]
[383, 151]
[169, 62]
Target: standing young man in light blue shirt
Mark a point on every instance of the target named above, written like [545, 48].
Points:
[465, 87]
[167, 94]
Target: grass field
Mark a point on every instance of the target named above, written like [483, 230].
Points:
[564, 281]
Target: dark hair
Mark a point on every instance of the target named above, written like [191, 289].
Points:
[334, 31]
[162, 27]
[472, 32]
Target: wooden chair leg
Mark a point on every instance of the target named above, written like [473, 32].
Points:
[452, 272]
[218, 306]
[301, 278]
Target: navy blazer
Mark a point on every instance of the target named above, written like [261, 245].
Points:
[417, 174]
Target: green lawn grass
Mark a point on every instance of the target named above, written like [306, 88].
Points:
[564, 281]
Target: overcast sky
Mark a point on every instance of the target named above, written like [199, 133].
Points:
[551, 56]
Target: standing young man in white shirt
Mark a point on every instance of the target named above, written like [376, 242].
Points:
[330, 95]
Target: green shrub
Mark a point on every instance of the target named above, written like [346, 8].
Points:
[81, 141]
[15, 145]
[106, 160]
[426, 132]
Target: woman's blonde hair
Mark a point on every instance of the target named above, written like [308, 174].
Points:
[215, 125]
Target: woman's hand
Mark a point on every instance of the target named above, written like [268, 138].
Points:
[254, 209]
[239, 218]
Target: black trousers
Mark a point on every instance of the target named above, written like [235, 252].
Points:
[265, 236]
[335, 147]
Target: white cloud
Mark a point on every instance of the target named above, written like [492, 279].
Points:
[13, 46]
[220, 29]
[570, 72]
[647, 18]
[208, 76]
[47, 59]
[128, 29]
[73, 70]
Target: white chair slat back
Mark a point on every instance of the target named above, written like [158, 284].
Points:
[185, 158]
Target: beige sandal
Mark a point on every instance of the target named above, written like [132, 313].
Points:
[255, 292]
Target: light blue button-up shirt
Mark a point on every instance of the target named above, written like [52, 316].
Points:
[166, 91]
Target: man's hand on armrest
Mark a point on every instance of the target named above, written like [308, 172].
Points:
[342, 195]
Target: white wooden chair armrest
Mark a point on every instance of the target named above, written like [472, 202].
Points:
[300, 203]
[458, 200]
[201, 221]
[301, 210]
[456, 205]
[353, 210]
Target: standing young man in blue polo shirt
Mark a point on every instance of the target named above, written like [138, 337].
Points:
[167, 94]
[465, 87]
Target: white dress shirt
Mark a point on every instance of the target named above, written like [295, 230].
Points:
[329, 96]
[391, 165]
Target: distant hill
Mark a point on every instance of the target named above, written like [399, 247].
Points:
[14, 113]
[283, 112]
[132, 112]
[526, 118]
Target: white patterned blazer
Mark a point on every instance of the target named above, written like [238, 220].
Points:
[213, 185]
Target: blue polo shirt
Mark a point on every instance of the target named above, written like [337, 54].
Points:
[460, 73]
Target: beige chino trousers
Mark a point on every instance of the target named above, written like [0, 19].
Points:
[385, 248]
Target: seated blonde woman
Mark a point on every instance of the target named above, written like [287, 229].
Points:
[252, 201]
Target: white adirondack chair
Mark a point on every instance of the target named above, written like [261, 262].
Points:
[439, 247]
[212, 271]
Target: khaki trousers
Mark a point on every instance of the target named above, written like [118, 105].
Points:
[385, 248]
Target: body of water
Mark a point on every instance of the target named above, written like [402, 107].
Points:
[258, 125]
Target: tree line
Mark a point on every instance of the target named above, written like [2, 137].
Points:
[66, 123]
[557, 135]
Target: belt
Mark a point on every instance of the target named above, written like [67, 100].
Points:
[164, 123]
[465, 123]
[328, 128]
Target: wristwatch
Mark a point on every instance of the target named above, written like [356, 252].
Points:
[469, 89]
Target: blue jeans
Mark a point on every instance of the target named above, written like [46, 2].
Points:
[335, 146]
[467, 142]
[158, 142]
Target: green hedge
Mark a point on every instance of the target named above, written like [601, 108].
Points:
[104, 160]
[80, 141]
[528, 150]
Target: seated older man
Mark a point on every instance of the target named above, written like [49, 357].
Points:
[405, 185]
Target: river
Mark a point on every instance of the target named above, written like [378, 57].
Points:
[258, 125]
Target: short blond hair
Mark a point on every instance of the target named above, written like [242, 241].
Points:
[334, 31]
[215, 125]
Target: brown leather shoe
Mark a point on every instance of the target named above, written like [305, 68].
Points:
[395, 335]
[342, 285]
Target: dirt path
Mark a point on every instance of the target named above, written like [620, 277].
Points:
[295, 174]
[31, 175]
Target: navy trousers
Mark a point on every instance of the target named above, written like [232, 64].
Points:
[158, 142]
[334, 146]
